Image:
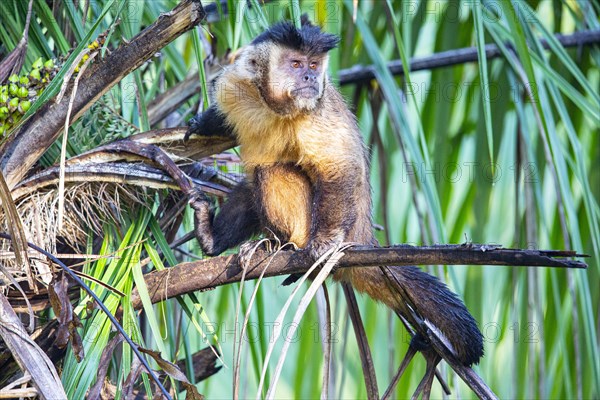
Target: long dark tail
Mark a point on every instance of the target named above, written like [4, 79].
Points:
[411, 292]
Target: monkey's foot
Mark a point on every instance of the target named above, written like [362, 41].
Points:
[248, 249]
[316, 248]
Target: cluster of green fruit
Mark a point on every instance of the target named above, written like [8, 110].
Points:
[17, 95]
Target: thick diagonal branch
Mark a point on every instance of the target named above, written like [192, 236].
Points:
[28, 143]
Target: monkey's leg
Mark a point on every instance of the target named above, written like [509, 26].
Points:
[331, 218]
[209, 123]
[237, 221]
[283, 197]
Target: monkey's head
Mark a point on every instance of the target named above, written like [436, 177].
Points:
[289, 66]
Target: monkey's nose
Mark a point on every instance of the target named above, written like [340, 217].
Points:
[309, 78]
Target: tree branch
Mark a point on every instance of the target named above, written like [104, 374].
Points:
[360, 74]
[208, 274]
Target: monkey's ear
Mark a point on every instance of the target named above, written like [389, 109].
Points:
[253, 64]
[305, 20]
[250, 59]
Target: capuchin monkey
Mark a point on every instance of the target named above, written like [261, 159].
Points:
[307, 175]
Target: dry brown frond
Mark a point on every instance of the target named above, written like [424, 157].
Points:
[88, 207]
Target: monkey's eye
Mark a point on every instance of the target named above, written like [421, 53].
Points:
[253, 62]
[313, 65]
[296, 64]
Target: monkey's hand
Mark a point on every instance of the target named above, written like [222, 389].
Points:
[199, 201]
[209, 123]
[193, 127]
[203, 217]
[236, 222]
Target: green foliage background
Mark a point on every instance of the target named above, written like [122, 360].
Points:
[458, 153]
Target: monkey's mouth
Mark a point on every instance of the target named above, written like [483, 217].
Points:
[305, 92]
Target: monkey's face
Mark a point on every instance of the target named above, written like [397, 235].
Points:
[294, 82]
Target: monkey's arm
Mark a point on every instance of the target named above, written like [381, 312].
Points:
[236, 222]
[209, 123]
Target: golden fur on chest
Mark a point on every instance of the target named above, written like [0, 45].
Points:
[323, 145]
[315, 141]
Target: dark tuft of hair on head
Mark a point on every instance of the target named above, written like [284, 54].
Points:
[309, 39]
